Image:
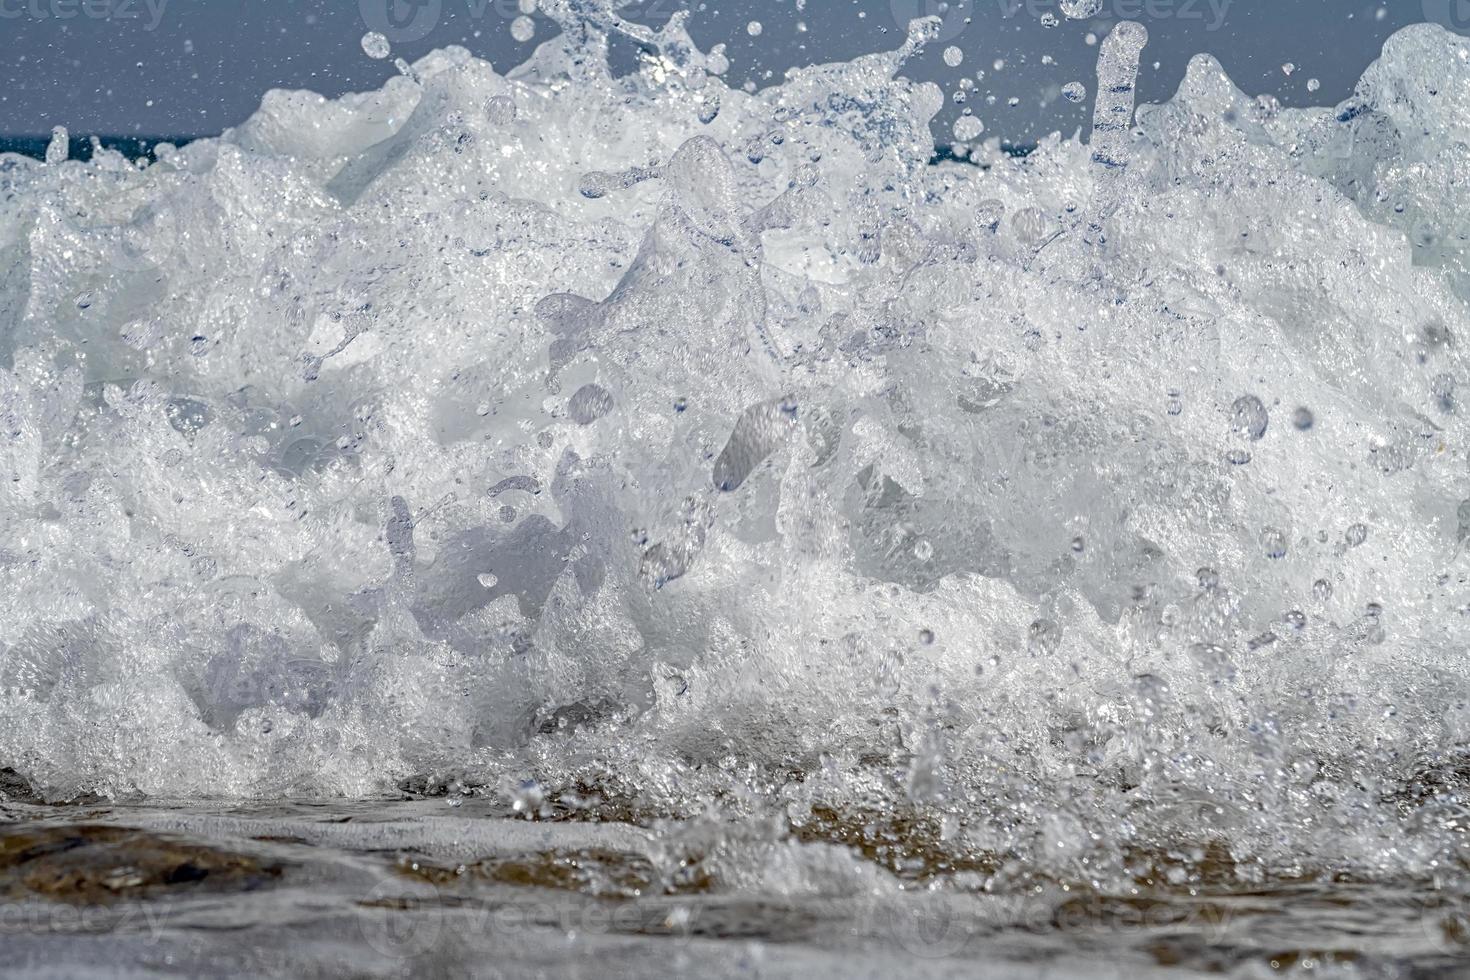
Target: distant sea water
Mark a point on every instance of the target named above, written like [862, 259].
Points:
[131, 147]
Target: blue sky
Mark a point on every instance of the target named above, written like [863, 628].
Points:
[192, 67]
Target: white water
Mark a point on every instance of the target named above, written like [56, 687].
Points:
[716, 451]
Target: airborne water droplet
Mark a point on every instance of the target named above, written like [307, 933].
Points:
[1080, 9]
[376, 45]
[1029, 226]
[522, 29]
[967, 128]
[1248, 418]
[59, 149]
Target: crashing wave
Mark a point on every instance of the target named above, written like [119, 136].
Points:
[641, 437]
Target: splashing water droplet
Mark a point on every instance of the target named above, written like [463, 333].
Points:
[967, 128]
[590, 403]
[989, 213]
[1081, 9]
[1249, 418]
[1214, 659]
[1044, 638]
[1117, 74]
[376, 46]
[500, 110]
[1442, 389]
[59, 149]
[527, 798]
[886, 680]
[1029, 225]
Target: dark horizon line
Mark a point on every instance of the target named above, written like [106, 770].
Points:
[80, 147]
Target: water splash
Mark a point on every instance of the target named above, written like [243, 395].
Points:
[784, 466]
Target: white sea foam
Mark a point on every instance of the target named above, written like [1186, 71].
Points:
[720, 444]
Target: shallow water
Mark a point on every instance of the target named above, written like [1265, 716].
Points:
[424, 888]
[797, 534]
